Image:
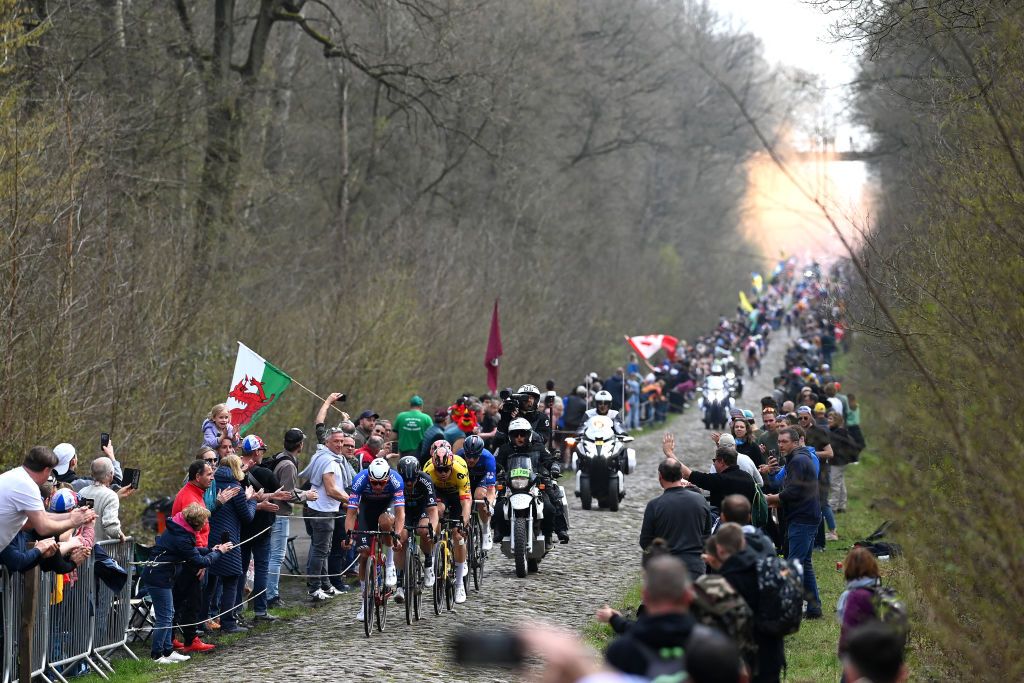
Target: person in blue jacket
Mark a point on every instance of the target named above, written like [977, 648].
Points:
[226, 526]
[175, 551]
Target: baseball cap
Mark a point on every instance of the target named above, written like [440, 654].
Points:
[415, 400]
[440, 413]
[294, 436]
[736, 413]
[252, 443]
[65, 453]
[748, 415]
[804, 410]
[368, 413]
[726, 440]
[63, 500]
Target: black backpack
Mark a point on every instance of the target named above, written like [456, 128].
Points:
[781, 596]
[890, 610]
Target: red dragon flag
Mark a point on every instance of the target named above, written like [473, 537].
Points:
[255, 385]
[649, 344]
[493, 351]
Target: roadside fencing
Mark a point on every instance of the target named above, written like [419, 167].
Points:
[79, 621]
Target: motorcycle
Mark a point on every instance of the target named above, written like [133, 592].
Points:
[524, 510]
[734, 381]
[715, 402]
[601, 458]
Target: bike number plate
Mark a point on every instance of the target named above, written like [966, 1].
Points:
[520, 472]
[599, 442]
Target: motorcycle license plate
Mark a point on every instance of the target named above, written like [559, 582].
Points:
[599, 442]
[520, 472]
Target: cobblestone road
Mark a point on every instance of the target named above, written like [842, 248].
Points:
[573, 581]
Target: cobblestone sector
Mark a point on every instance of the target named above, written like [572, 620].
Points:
[574, 580]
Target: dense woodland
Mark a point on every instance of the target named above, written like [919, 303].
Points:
[347, 186]
[939, 360]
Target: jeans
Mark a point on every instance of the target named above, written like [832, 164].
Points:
[259, 552]
[227, 602]
[320, 527]
[163, 606]
[801, 541]
[278, 547]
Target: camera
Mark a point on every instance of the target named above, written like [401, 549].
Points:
[549, 399]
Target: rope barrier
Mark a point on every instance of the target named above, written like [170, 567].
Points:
[157, 563]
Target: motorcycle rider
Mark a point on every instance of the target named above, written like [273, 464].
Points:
[522, 442]
[603, 406]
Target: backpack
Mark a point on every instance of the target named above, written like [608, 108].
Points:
[759, 512]
[781, 588]
[718, 605]
[890, 610]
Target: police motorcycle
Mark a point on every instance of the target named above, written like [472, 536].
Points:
[523, 508]
[734, 378]
[601, 458]
[716, 399]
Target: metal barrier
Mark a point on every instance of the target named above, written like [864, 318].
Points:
[71, 625]
[114, 610]
[13, 600]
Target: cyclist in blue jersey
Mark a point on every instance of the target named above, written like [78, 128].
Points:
[374, 490]
[421, 511]
[482, 479]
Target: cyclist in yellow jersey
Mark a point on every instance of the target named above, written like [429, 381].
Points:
[450, 475]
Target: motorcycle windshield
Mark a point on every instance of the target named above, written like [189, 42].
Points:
[715, 382]
[599, 428]
[520, 466]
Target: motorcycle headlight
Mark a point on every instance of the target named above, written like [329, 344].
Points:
[520, 482]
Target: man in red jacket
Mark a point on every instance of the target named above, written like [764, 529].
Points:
[188, 589]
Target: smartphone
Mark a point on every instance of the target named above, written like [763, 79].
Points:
[104, 440]
[393, 446]
[225, 537]
[130, 477]
[85, 503]
[488, 648]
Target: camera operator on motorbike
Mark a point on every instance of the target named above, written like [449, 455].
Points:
[450, 475]
[521, 442]
[482, 480]
[525, 404]
[603, 406]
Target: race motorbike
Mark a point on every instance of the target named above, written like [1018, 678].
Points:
[734, 380]
[716, 401]
[524, 509]
[601, 458]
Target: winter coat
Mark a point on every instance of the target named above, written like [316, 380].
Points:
[226, 524]
[177, 547]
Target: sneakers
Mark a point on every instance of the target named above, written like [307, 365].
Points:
[319, 596]
[390, 577]
[831, 536]
[265, 617]
[177, 657]
[177, 644]
[276, 603]
[428, 576]
[165, 660]
[234, 628]
[360, 616]
[199, 646]
[488, 541]
[399, 595]
[213, 625]
[460, 593]
[333, 591]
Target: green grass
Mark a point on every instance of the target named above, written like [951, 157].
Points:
[811, 652]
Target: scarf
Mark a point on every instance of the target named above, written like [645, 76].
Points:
[864, 582]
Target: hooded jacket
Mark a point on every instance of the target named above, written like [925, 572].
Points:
[226, 523]
[665, 630]
[177, 547]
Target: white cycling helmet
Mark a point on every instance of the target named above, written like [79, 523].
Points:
[519, 425]
[603, 396]
[379, 469]
[529, 389]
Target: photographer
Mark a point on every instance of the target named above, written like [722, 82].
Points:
[525, 403]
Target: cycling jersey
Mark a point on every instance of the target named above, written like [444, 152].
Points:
[484, 473]
[421, 493]
[393, 492]
[457, 481]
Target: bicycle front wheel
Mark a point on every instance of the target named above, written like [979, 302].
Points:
[381, 601]
[439, 577]
[449, 575]
[369, 585]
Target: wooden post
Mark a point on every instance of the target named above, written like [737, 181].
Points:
[29, 602]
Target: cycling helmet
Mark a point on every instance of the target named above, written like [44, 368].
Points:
[252, 443]
[443, 456]
[409, 467]
[473, 446]
[379, 469]
[519, 425]
[440, 443]
[529, 389]
[603, 396]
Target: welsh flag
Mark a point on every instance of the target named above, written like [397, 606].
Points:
[649, 344]
[255, 385]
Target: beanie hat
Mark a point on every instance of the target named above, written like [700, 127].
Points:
[819, 407]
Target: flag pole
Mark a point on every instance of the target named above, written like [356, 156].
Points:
[313, 393]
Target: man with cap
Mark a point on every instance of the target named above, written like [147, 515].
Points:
[285, 466]
[410, 426]
[67, 461]
[269, 492]
[364, 427]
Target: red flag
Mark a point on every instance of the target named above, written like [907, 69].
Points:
[649, 344]
[493, 351]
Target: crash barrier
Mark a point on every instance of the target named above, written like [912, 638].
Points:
[12, 584]
[80, 619]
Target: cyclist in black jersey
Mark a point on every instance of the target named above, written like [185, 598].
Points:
[421, 511]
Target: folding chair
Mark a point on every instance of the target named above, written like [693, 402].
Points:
[143, 619]
[291, 558]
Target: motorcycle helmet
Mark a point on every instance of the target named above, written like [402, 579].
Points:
[473, 446]
[443, 457]
[519, 425]
[530, 390]
[379, 470]
[409, 467]
[716, 369]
